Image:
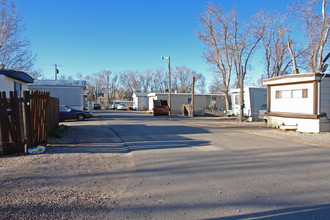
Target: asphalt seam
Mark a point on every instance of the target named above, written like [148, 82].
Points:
[121, 140]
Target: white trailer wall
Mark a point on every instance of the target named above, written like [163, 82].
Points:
[177, 99]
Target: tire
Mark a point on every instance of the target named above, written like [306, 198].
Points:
[80, 117]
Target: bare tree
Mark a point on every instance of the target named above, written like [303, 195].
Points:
[216, 34]
[36, 74]
[216, 85]
[182, 80]
[145, 79]
[275, 40]
[130, 81]
[293, 56]
[79, 76]
[114, 85]
[15, 50]
[159, 81]
[200, 83]
[104, 82]
[317, 28]
[95, 84]
[245, 40]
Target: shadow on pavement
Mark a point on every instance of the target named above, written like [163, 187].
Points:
[306, 212]
[124, 138]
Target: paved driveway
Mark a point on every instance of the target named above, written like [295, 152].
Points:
[212, 169]
[129, 165]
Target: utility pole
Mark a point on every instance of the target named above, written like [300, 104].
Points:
[169, 86]
[192, 97]
[169, 83]
[56, 71]
[241, 95]
[108, 85]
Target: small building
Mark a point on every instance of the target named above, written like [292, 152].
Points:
[12, 80]
[300, 100]
[70, 93]
[140, 101]
[201, 101]
[253, 99]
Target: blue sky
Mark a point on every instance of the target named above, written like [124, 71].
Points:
[88, 36]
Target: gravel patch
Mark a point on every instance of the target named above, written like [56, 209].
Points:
[68, 181]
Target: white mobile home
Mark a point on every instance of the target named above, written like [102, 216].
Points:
[140, 101]
[201, 101]
[301, 100]
[253, 99]
[12, 80]
[70, 93]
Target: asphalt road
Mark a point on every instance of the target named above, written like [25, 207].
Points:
[211, 169]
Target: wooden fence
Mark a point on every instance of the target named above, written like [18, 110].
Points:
[28, 122]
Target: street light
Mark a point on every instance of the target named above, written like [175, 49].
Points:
[169, 82]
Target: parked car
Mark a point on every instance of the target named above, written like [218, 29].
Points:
[131, 107]
[122, 106]
[115, 105]
[97, 106]
[262, 112]
[66, 112]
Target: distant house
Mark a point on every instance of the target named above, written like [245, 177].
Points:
[253, 99]
[12, 80]
[70, 93]
[140, 101]
[201, 101]
[301, 100]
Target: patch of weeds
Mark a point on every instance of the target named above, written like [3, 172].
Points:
[58, 133]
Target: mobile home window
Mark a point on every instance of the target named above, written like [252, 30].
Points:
[285, 94]
[18, 88]
[296, 93]
[236, 100]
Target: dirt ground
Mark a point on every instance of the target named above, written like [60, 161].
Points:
[68, 180]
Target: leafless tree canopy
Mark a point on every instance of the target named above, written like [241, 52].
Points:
[274, 41]
[317, 26]
[229, 44]
[122, 85]
[216, 33]
[15, 50]
[182, 80]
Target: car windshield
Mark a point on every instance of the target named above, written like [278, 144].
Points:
[64, 109]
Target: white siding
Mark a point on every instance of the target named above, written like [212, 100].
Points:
[253, 99]
[71, 96]
[325, 96]
[292, 105]
[178, 99]
[7, 84]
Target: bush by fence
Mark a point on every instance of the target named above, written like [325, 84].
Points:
[28, 122]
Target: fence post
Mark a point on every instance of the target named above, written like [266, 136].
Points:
[27, 120]
[4, 122]
[45, 116]
[17, 122]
